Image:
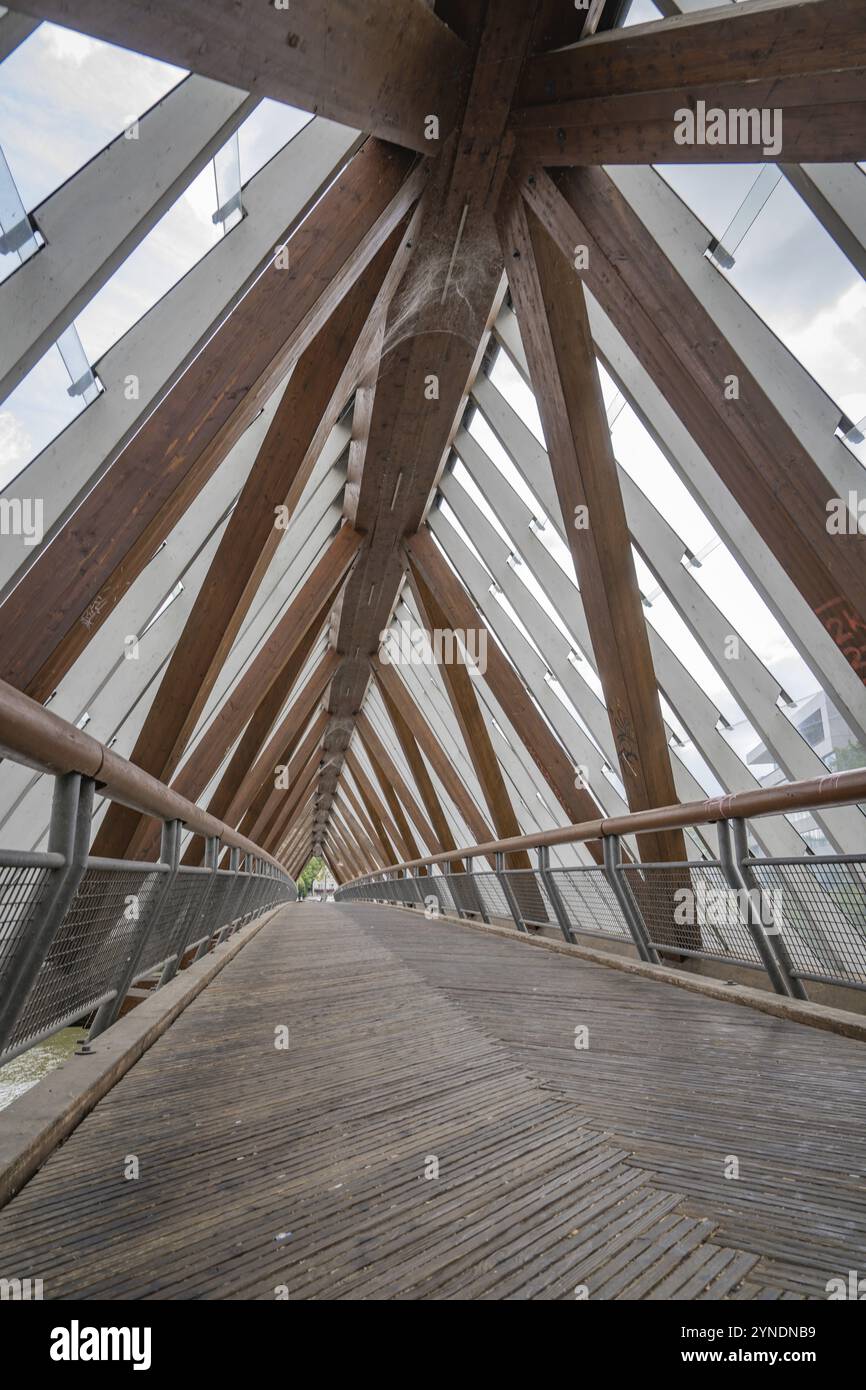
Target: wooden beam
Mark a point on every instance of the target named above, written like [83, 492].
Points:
[368, 851]
[390, 777]
[322, 584]
[298, 809]
[757, 455]
[385, 826]
[551, 310]
[305, 416]
[233, 796]
[85, 570]
[382, 67]
[350, 840]
[821, 120]
[462, 615]
[281, 745]
[472, 724]
[347, 854]
[408, 719]
[296, 845]
[389, 792]
[626, 96]
[435, 337]
[380, 841]
[718, 45]
[284, 801]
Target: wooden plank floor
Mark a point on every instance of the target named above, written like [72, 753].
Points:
[307, 1172]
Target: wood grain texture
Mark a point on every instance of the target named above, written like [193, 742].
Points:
[80, 576]
[380, 67]
[557, 1167]
[551, 308]
[752, 447]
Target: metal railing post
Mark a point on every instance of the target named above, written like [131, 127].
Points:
[772, 950]
[169, 853]
[69, 835]
[235, 893]
[612, 848]
[514, 907]
[211, 858]
[246, 890]
[475, 891]
[552, 890]
[212, 862]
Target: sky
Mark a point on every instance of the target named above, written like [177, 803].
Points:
[63, 97]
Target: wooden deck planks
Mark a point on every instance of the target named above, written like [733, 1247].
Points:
[684, 1083]
[301, 1172]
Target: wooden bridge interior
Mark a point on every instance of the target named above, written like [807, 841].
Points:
[463, 358]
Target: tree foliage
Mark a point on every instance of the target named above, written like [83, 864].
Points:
[310, 873]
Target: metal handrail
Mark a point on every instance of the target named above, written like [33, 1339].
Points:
[77, 930]
[798, 919]
[836, 789]
[33, 735]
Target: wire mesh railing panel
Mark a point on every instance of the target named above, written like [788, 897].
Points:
[22, 893]
[819, 906]
[690, 908]
[179, 906]
[491, 893]
[439, 887]
[97, 935]
[590, 902]
[403, 890]
[533, 903]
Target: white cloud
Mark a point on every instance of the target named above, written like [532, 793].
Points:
[16, 446]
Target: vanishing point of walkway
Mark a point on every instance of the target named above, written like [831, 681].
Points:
[432, 1131]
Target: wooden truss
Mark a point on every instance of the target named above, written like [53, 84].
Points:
[295, 461]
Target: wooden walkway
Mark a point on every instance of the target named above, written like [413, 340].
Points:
[419, 1047]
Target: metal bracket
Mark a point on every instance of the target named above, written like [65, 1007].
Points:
[551, 888]
[612, 848]
[499, 862]
[733, 848]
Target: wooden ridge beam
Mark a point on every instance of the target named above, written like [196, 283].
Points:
[82, 574]
[434, 340]
[767, 470]
[551, 309]
[382, 67]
